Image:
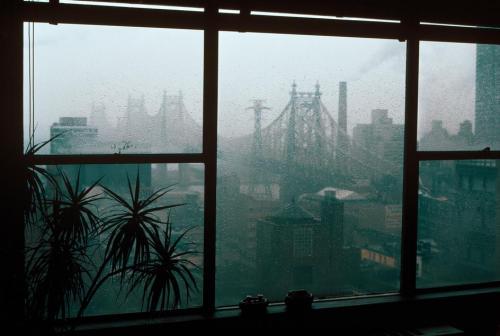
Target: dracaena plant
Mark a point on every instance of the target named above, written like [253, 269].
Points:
[36, 180]
[58, 265]
[75, 209]
[138, 247]
[131, 223]
[58, 269]
[167, 269]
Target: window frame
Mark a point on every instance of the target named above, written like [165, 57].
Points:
[211, 22]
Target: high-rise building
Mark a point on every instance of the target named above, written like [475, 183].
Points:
[72, 135]
[487, 94]
[458, 221]
[297, 250]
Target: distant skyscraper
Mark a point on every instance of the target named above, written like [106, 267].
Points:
[72, 136]
[487, 94]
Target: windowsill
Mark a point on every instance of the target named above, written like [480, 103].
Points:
[353, 311]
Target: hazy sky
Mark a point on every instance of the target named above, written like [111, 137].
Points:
[446, 84]
[76, 66]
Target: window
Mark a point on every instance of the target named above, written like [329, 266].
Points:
[311, 153]
[457, 217]
[303, 242]
[185, 185]
[458, 226]
[114, 90]
[121, 91]
[345, 157]
[458, 85]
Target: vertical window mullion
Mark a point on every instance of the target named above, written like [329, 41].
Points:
[210, 78]
[410, 189]
[12, 249]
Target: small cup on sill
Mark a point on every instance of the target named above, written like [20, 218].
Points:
[299, 301]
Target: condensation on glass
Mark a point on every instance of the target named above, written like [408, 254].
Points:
[458, 223]
[459, 104]
[310, 163]
[112, 90]
[182, 185]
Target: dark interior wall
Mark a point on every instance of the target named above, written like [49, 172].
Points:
[11, 180]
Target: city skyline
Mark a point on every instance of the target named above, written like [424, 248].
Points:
[59, 47]
[295, 174]
[93, 60]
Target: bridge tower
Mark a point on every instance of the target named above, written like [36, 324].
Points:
[258, 183]
[319, 128]
[288, 190]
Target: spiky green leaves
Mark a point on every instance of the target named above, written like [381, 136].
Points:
[140, 247]
[74, 210]
[57, 269]
[131, 224]
[58, 264]
[36, 180]
[166, 272]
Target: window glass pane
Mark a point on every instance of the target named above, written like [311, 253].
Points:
[459, 104]
[310, 160]
[458, 227]
[123, 236]
[104, 90]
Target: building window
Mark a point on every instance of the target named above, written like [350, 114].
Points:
[303, 242]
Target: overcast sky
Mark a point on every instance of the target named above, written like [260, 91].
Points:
[76, 66]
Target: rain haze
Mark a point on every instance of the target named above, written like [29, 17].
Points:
[309, 160]
[79, 66]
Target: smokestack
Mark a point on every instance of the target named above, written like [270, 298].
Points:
[343, 106]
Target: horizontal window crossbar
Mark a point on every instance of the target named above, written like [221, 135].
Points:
[458, 155]
[483, 13]
[154, 18]
[179, 3]
[113, 320]
[140, 17]
[122, 321]
[459, 288]
[310, 26]
[114, 16]
[458, 34]
[115, 159]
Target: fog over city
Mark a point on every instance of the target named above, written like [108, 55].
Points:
[310, 157]
[84, 65]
